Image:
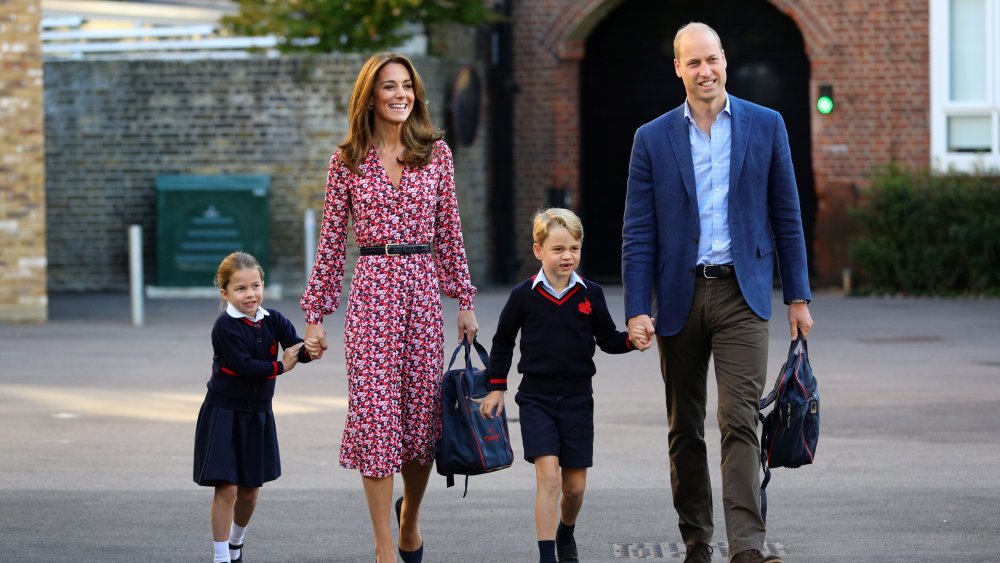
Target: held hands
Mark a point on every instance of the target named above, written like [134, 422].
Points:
[290, 358]
[315, 341]
[490, 403]
[799, 319]
[641, 332]
[313, 347]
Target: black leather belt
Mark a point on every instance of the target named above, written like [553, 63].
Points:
[394, 249]
[713, 271]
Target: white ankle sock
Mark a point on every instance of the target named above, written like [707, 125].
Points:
[236, 538]
[237, 533]
[221, 552]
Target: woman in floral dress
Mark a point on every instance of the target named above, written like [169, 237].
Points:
[395, 177]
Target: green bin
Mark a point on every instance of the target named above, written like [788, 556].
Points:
[201, 219]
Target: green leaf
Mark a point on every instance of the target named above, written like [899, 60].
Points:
[352, 26]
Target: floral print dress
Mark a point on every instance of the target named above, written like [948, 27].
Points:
[394, 331]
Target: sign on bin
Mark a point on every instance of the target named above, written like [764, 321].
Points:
[201, 219]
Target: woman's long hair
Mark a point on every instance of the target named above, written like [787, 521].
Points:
[418, 134]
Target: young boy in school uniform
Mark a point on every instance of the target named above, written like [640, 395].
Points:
[560, 317]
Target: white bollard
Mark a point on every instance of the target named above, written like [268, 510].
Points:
[135, 274]
[309, 225]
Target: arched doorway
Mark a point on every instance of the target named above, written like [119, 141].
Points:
[627, 78]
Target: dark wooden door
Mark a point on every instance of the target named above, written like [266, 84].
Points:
[628, 78]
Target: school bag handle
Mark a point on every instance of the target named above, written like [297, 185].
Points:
[798, 347]
[483, 356]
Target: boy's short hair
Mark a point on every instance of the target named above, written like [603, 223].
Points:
[546, 219]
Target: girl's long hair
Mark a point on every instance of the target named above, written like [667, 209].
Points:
[418, 134]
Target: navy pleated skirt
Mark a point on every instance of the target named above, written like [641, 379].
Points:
[235, 447]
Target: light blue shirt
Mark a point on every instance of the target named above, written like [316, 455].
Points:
[541, 279]
[711, 175]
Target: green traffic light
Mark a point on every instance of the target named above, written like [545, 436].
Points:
[824, 104]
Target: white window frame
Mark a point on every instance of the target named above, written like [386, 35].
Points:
[940, 91]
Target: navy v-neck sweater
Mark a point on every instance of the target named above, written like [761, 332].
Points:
[558, 338]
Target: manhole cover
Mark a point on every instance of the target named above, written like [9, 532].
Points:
[674, 550]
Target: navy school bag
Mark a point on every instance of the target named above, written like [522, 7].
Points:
[789, 432]
[469, 444]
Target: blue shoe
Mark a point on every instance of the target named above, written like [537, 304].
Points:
[415, 556]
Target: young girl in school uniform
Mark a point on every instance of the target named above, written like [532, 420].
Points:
[236, 444]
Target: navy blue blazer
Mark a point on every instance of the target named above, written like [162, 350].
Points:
[661, 229]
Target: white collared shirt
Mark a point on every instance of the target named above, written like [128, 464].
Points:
[541, 279]
[236, 314]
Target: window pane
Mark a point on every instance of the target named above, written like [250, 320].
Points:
[969, 133]
[968, 50]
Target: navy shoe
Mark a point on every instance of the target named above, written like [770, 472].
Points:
[415, 556]
[240, 558]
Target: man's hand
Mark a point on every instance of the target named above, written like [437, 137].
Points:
[799, 319]
[641, 332]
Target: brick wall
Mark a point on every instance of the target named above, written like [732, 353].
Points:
[876, 57]
[874, 54]
[113, 126]
[22, 167]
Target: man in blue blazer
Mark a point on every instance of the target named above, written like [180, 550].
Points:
[711, 199]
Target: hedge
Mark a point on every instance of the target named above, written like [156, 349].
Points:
[922, 233]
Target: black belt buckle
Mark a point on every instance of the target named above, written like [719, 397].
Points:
[394, 249]
[715, 271]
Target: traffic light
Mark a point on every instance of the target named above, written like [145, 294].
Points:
[824, 103]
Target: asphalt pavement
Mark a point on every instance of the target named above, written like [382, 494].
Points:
[97, 420]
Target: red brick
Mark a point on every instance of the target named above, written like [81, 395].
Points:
[874, 54]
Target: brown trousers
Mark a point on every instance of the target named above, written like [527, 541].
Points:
[723, 327]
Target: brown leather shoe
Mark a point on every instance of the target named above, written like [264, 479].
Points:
[699, 553]
[754, 556]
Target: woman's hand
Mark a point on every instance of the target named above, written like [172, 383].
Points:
[315, 340]
[467, 326]
[491, 402]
